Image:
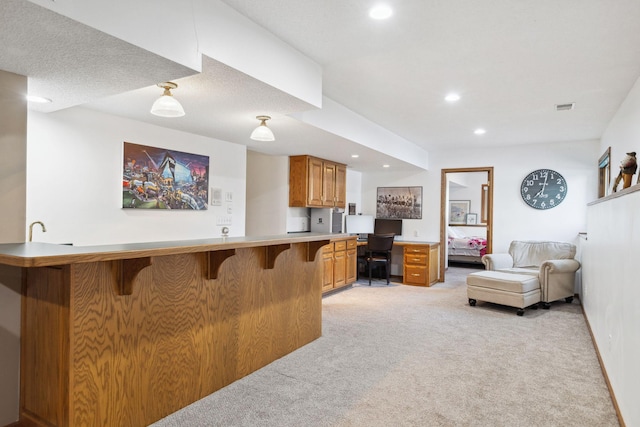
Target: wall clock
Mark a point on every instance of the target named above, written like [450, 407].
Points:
[543, 189]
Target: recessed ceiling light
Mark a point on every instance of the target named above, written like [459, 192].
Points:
[355, 156]
[479, 131]
[452, 97]
[38, 99]
[381, 11]
[385, 166]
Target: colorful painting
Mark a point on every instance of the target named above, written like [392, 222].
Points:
[157, 178]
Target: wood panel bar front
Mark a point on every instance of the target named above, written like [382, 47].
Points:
[92, 356]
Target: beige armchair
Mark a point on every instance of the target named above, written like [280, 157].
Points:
[552, 262]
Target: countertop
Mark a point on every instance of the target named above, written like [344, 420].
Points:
[36, 254]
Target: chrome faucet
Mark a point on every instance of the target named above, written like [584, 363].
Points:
[44, 229]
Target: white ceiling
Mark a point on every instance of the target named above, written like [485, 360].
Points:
[511, 61]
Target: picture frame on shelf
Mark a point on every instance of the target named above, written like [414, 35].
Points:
[458, 210]
[472, 219]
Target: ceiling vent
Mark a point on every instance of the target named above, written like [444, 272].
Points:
[565, 107]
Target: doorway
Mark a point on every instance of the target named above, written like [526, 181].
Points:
[485, 189]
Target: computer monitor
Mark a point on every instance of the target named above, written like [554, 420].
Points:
[360, 225]
[386, 226]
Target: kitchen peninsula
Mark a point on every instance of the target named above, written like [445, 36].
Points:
[127, 334]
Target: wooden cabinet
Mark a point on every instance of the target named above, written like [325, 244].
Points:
[420, 264]
[339, 259]
[316, 183]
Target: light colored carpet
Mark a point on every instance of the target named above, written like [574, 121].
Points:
[410, 356]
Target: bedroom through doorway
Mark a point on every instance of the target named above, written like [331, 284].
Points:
[466, 216]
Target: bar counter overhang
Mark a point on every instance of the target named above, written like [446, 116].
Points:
[128, 334]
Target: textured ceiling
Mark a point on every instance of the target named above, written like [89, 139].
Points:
[72, 63]
[511, 61]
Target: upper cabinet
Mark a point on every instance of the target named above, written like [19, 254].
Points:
[316, 183]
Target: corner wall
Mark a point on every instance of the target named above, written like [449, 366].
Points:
[610, 276]
[13, 179]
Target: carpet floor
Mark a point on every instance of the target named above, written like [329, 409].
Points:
[411, 356]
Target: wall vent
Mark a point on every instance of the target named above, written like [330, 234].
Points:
[565, 107]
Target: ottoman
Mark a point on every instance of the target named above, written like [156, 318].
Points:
[514, 290]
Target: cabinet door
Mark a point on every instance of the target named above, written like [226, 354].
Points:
[352, 265]
[328, 184]
[339, 268]
[341, 186]
[315, 182]
[327, 271]
[298, 181]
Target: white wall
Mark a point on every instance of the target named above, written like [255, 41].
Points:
[75, 173]
[611, 294]
[610, 272]
[13, 160]
[267, 194]
[513, 219]
[468, 186]
[623, 132]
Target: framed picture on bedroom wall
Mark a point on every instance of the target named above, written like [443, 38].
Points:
[458, 210]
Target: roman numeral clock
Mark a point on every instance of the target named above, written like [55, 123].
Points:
[543, 189]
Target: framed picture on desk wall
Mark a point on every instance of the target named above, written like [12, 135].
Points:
[399, 203]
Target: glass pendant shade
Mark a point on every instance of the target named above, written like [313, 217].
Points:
[167, 105]
[262, 132]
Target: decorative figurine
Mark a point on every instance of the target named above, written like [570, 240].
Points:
[628, 167]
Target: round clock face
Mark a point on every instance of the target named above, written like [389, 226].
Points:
[543, 189]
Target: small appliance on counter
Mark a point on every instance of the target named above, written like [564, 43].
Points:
[326, 220]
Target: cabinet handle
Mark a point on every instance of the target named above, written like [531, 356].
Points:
[415, 274]
[416, 259]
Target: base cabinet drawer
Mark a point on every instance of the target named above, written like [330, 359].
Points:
[415, 275]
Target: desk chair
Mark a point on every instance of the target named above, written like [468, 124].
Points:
[378, 251]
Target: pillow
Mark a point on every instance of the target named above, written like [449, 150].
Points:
[455, 234]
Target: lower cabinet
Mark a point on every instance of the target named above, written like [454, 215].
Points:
[420, 264]
[339, 259]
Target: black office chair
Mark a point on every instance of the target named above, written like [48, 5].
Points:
[379, 252]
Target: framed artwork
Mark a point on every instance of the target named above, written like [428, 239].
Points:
[399, 203]
[458, 210]
[604, 173]
[157, 178]
[472, 219]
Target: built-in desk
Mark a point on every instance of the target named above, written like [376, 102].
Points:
[124, 335]
[420, 261]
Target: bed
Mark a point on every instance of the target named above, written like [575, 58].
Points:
[466, 244]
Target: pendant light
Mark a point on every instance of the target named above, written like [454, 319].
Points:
[167, 105]
[262, 132]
